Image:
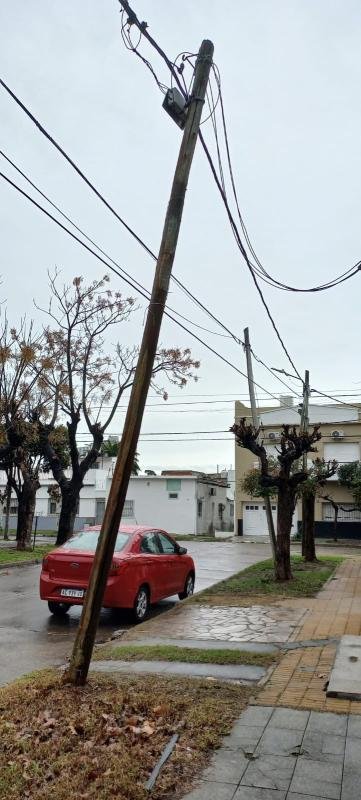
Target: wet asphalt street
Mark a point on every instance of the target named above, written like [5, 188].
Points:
[31, 638]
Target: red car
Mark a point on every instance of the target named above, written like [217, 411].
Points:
[147, 566]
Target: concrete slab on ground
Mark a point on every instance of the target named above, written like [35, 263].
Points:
[345, 678]
[201, 644]
[220, 672]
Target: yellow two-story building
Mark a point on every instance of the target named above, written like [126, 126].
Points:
[341, 440]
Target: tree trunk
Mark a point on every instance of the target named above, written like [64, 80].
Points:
[335, 523]
[26, 510]
[286, 504]
[69, 504]
[308, 527]
[7, 511]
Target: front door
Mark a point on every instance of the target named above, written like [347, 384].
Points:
[99, 511]
[149, 566]
[173, 564]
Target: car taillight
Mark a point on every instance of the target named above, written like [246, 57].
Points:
[45, 564]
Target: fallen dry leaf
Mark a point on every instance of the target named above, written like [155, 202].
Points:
[161, 710]
[147, 729]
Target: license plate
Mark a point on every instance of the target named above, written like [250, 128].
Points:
[72, 592]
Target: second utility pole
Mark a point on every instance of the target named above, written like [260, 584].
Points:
[84, 642]
[304, 427]
[255, 421]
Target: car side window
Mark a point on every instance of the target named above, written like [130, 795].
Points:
[167, 546]
[149, 544]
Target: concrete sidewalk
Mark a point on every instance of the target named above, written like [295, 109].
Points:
[283, 754]
[294, 743]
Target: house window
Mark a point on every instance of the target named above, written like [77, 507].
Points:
[344, 515]
[220, 511]
[54, 507]
[231, 509]
[200, 508]
[128, 510]
[14, 505]
[174, 484]
[173, 495]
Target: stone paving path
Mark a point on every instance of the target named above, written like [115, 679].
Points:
[286, 754]
[228, 623]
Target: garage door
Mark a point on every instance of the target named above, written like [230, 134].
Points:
[255, 520]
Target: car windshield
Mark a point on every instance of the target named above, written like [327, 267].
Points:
[87, 540]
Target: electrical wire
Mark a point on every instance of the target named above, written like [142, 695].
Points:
[329, 397]
[221, 187]
[263, 274]
[142, 27]
[173, 433]
[270, 370]
[130, 230]
[101, 197]
[129, 282]
[120, 219]
[100, 249]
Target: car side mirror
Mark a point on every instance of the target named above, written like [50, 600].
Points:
[182, 551]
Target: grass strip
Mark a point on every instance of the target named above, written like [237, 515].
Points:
[188, 655]
[258, 580]
[9, 555]
[103, 740]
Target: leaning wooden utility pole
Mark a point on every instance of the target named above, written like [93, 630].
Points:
[84, 642]
[255, 420]
[304, 428]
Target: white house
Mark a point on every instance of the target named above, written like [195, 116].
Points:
[181, 501]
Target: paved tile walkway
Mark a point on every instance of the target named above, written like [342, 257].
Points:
[299, 680]
[286, 754]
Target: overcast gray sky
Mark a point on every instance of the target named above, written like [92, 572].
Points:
[291, 82]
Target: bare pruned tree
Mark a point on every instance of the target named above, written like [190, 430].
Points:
[287, 479]
[22, 367]
[89, 381]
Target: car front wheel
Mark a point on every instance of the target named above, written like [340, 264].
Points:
[141, 605]
[188, 588]
[59, 609]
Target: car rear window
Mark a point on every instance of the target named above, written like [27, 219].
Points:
[87, 540]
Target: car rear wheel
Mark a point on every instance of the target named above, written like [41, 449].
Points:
[188, 587]
[59, 609]
[141, 605]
